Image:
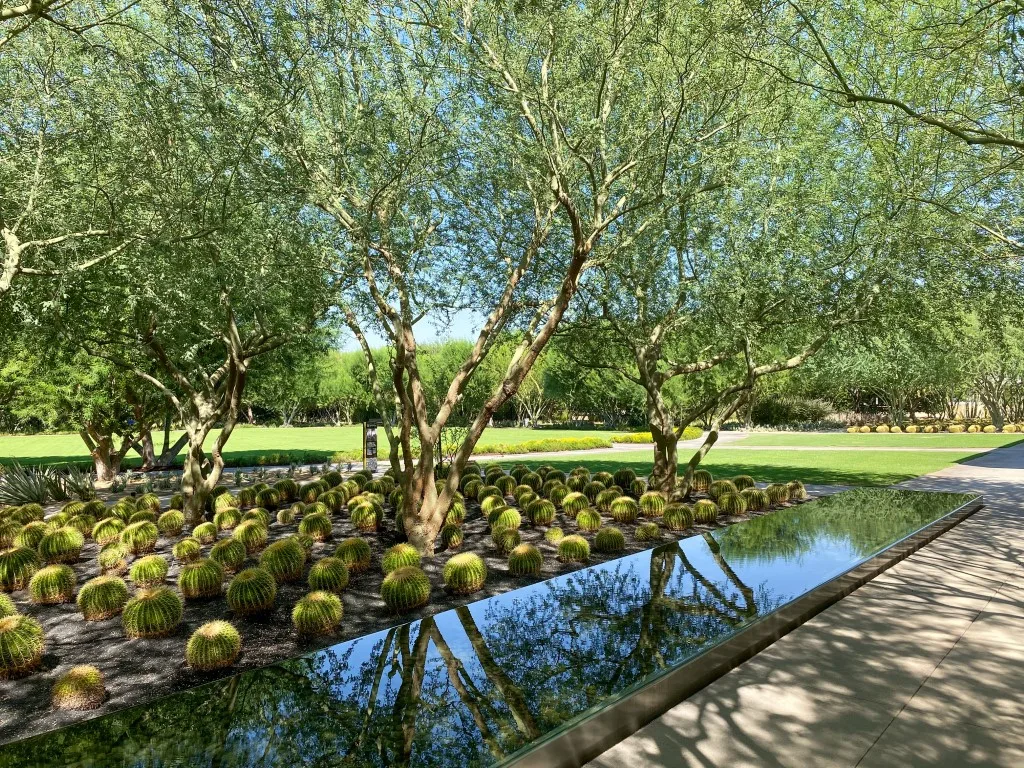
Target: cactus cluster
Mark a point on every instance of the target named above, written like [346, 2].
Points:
[506, 519]
[284, 560]
[506, 539]
[778, 493]
[464, 573]
[573, 549]
[80, 688]
[149, 571]
[677, 517]
[797, 492]
[52, 584]
[399, 556]
[102, 598]
[215, 645]
[405, 589]
[21, 645]
[201, 580]
[113, 558]
[152, 613]
[328, 575]
[251, 592]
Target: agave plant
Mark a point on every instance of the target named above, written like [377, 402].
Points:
[21, 485]
[79, 483]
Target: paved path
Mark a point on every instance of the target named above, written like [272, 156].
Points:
[923, 666]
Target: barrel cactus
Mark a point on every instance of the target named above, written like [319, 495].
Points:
[187, 550]
[592, 489]
[201, 580]
[80, 688]
[52, 584]
[113, 558]
[215, 645]
[732, 504]
[652, 504]
[226, 519]
[102, 597]
[778, 493]
[355, 554]
[152, 613]
[743, 482]
[399, 556]
[588, 520]
[576, 483]
[506, 518]
[31, 534]
[177, 501]
[554, 534]
[625, 510]
[7, 606]
[17, 566]
[702, 480]
[719, 488]
[288, 489]
[284, 560]
[464, 573]
[525, 560]
[491, 503]
[541, 512]
[63, 545]
[83, 524]
[574, 503]
[252, 534]
[318, 613]
[797, 492]
[757, 499]
[229, 553]
[609, 540]
[268, 499]
[149, 571]
[573, 549]
[21, 646]
[405, 589]
[317, 527]
[558, 493]
[647, 532]
[365, 517]
[171, 523]
[9, 530]
[328, 575]
[451, 537]
[604, 500]
[142, 516]
[705, 512]
[258, 514]
[677, 517]
[252, 592]
[141, 537]
[506, 539]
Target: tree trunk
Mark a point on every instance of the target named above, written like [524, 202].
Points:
[193, 481]
[106, 461]
[666, 462]
[144, 447]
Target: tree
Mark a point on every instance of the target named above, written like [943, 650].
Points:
[342, 388]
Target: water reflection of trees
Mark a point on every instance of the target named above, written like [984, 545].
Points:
[465, 687]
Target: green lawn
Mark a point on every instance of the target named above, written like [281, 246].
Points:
[874, 440]
[823, 467]
[247, 444]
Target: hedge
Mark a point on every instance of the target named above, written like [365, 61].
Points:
[548, 444]
[690, 433]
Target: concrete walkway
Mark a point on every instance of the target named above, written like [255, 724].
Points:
[923, 666]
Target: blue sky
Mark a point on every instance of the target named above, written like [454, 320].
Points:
[464, 325]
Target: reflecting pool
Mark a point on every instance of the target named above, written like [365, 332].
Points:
[474, 685]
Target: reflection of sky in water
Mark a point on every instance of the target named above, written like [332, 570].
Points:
[506, 670]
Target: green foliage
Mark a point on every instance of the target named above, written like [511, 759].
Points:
[778, 493]
[148, 501]
[317, 527]
[284, 560]
[286, 516]
[7, 606]
[251, 592]
[506, 539]
[624, 477]
[152, 613]
[705, 511]
[269, 499]
[64, 545]
[83, 524]
[399, 556]
[288, 489]
[102, 598]
[253, 534]
[592, 489]
[355, 554]
[797, 492]
[201, 580]
[576, 483]
[732, 504]
[464, 573]
[113, 558]
[652, 504]
[52, 584]
[625, 510]
[246, 498]
[647, 532]
[525, 560]
[589, 520]
[677, 517]
[187, 550]
[177, 502]
[609, 540]
[329, 574]
[756, 498]
[229, 553]
[142, 516]
[638, 488]
[558, 493]
[604, 499]
[456, 514]
[702, 480]
[21, 646]
[80, 688]
[259, 515]
[405, 589]
[317, 613]
[224, 501]
[491, 503]
[140, 537]
[573, 549]
[149, 571]
[215, 645]
[553, 534]
[171, 523]
[451, 537]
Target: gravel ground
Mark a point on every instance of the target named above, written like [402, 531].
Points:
[141, 670]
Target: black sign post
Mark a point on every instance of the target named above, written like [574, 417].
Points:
[370, 444]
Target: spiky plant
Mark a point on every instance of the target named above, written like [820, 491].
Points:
[7, 606]
[778, 493]
[288, 489]
[451, 537]
[609, 540]
[506, 539]
[96, 508]
[605, 478]
[574, 503]
[177, 502]
[329, 574]
[9, 530]
[215, 645]
[604, 500]
[405, 589]
[317, 527]
[702, 480]
[268, 499]
[491, 503]
[318, 613]
[705, 512]
[533, 480]
[142, 516]
[554, 534]
[472, 488]
[149, 571]
[624, 477]
[187, 550]
[140, 537]
[355, 554]
[625, 510]
[732, 504]
[580, 472]
[148, 501]
[80, 688]
[21, 645]
[152, 613]
[742, 482]
[647, 532]
[756, 499]
[63, 545]
[797, 492]
[399, 556]
[113, 558]
[558, 493]
[171, 523]
[225, 501]
[284, 560]
[259, 514]
[286, 516]
[227, 519]
[525, 560]
[229, 553]
[592, 489]
[57, 521]
[73, 508]
[719, 488]
[102, 597]
[83, 524]
[589, 520]
[652, 504]
[541, 512]
[123, 510]
[17, 566]
[52, 585]
[365, 518]
[505, 484]
[677, 517]
[638, 488]
[306, 542]
[456, 514]
[465, 573]
[252, 534]
[576, 483]
[30, 534]
[251, 592]
[246, 498]
[556, 475]
[507, 518]
[573, 549]
[201, 580]
[332, 501]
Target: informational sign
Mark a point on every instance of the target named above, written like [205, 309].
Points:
[370, 444]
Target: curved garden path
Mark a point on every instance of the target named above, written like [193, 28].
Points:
[923, 666]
